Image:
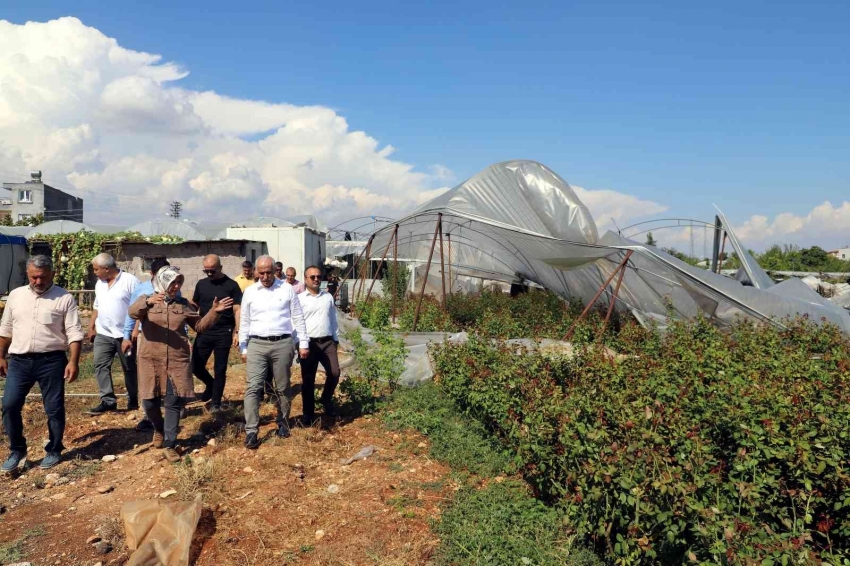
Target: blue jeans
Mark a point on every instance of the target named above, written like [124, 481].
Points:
[48, 370]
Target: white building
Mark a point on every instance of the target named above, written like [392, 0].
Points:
[841, 253]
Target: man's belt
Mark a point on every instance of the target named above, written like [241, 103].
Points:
[38, 355]
[271, 338]
[322, 340]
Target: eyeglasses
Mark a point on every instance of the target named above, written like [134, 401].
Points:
[209, 271]
[314, 277]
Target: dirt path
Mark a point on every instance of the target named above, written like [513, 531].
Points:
[276, 505]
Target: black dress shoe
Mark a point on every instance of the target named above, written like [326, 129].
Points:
[251, 441]
[133, 406]
[283, 431]
[329, 407]
[101, 409]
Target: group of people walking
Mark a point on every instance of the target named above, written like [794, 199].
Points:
[267, 313]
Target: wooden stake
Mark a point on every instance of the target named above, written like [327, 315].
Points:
[589, 306]
[361, 277]
[427, 269]
[351, 270]
[613, 301]
[383, 257]
[442, 260]
[395, 268]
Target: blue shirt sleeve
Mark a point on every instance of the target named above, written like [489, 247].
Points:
[129, 322]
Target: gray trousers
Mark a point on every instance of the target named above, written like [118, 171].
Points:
[263, 355]
[170, 425]
[105, 350]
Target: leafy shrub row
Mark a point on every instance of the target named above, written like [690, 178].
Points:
[496, 315]
[702, 447]
[378, 367]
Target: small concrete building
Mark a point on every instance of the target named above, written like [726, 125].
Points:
[34, 197]
[136, 257]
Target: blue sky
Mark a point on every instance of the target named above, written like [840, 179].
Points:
[740, 104]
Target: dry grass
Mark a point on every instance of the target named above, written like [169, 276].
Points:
[199, 475]
[110, 529]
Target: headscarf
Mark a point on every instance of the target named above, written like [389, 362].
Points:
[164, 278]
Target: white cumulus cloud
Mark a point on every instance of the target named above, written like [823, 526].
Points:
[115, 126]
[826, 225]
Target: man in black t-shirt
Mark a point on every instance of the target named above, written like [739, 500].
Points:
[221, 336]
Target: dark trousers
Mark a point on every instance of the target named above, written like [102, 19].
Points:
[320, 353]
[48, 370]
[171, 423]
[205, 346]
[105, 350]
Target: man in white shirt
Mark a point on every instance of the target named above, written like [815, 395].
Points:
[270, 315]
[323, 332]
[112, 294]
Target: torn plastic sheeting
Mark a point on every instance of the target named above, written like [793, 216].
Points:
[417, 363]
[159, 532]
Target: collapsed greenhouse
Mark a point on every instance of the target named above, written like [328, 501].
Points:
[518, 220]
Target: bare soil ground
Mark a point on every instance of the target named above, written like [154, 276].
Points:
[275, 505]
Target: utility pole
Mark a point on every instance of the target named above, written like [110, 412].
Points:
[176, 207]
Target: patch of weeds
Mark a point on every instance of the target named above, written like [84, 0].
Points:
[459, 441]
[305, 548]
[503, 524]
[433, 485]
[36, 531]
[402, 503]
[229, 435]
[396, 468]
[13, 551]
[83, 468]
[39, 482]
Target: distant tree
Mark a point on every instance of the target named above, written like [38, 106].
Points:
[814, 258]
[33, 220]
[681, 256]
[650, 241]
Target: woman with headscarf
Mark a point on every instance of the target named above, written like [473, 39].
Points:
[165, 369]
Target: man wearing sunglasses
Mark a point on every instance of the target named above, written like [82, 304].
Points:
[323, 332]
[219, 338]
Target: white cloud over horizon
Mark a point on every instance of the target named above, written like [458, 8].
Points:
[114, 125]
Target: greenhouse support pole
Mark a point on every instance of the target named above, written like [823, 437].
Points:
[595, 297]
[383, 257]
[613, 301]
[449, 236]
[442, 262]
[715, 247]
[351, 270]
[720, 257]
[395, 269]
[361, 277]
[427, 269]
